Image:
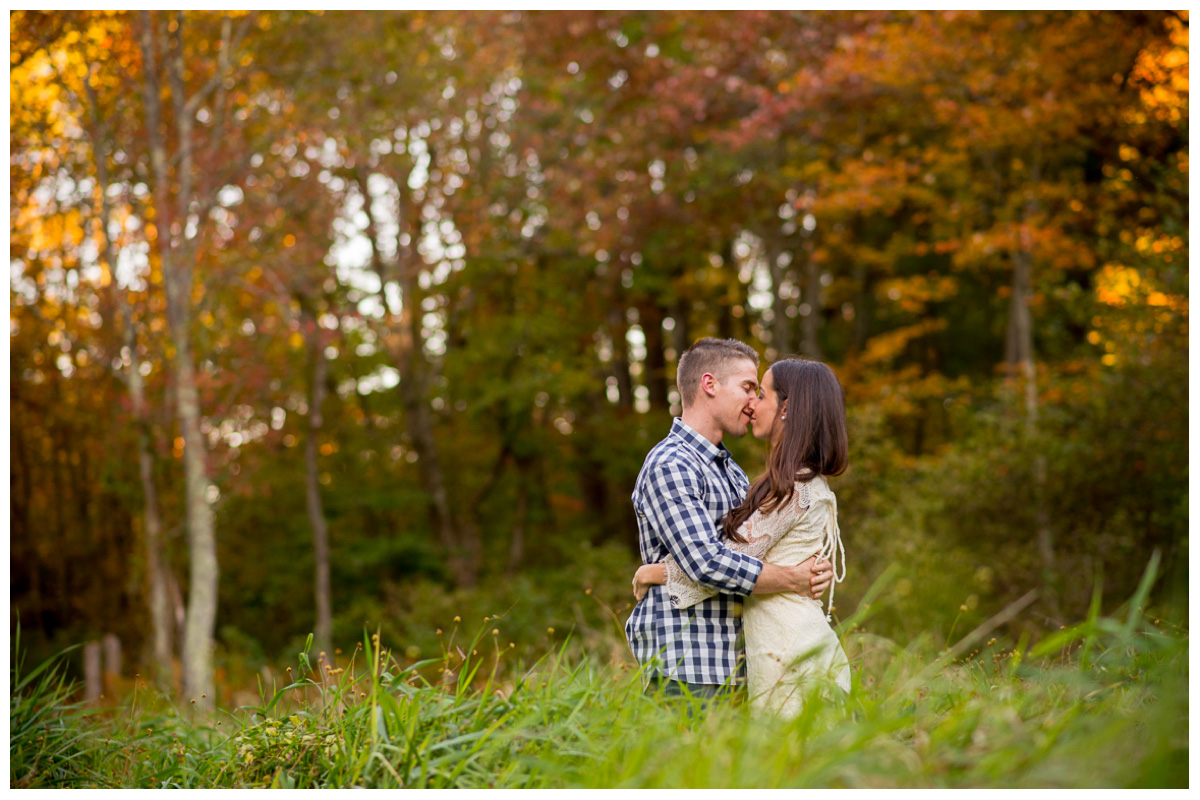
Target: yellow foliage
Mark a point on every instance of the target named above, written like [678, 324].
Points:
[1117, 285]
[915, 292]
[887, 346]
[1164, 73]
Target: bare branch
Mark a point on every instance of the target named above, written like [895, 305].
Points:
[218, 76]
[183, 120]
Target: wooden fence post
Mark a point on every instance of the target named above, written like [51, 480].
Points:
[112, 663]
[92, 675]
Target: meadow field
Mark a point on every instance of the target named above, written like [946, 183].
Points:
[338, 341]
[1101, 704]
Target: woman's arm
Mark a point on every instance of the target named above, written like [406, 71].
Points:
[648, 575]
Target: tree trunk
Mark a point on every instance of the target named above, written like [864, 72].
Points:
[781, 328]
[405, 349]
[62, 584]
[618, 328]
[726, 324]
[651, 317]
[159, 604]
[810, 323]
[175, 606]
[21, 503]
[177, 277]
[119, 306]
[589, 466]
[323, 632]
[201, 534]
[864, 308]
[112, 662]
[681, 337]
[93, 671]
[1020, 354]
[516, 550]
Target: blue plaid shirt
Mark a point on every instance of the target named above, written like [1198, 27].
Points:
[686, 487]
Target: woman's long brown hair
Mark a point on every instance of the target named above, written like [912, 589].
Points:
[809, 441]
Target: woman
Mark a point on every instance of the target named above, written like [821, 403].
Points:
[788, 515]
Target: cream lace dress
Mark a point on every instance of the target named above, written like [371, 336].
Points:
[790, 647]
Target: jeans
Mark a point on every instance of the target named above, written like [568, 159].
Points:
[701, 691]
[702, 694]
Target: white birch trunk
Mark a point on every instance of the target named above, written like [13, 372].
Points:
[177, 277]
[1021, 359]
[156, 595]
[323, 632]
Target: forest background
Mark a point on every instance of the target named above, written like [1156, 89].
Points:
[332, 322]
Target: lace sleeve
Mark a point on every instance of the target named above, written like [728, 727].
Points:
[763, 531]
[682, 590]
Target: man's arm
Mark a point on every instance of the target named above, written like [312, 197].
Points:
[677, 511]
[809, 579]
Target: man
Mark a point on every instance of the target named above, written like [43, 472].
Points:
[687, 485]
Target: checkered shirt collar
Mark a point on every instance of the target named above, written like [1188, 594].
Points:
[710, 451]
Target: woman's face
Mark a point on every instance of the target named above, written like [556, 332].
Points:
[766, 413]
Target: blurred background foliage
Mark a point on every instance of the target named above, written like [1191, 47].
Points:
[479, 242]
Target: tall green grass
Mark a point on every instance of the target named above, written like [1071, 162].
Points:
[1101, 704]
[44, 748]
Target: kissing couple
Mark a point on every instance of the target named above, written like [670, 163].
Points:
[722, 556]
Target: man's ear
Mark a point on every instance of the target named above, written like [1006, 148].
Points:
[708, 383]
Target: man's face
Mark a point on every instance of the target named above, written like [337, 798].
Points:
[736, 398]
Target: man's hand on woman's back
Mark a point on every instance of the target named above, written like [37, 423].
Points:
[809, 578]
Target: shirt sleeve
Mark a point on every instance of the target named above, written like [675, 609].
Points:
[761, 535]
[675, 507]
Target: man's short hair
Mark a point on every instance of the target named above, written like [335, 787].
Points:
[716, 356]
